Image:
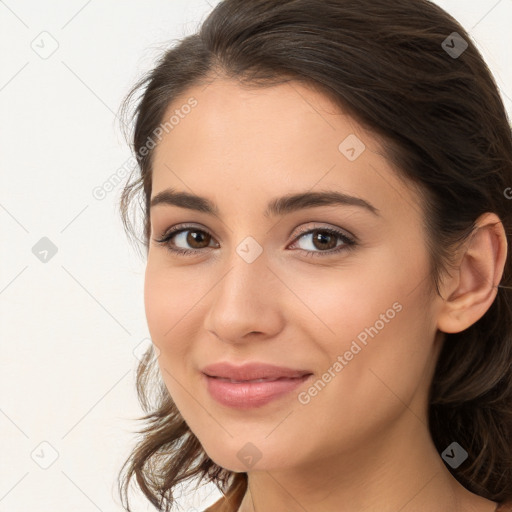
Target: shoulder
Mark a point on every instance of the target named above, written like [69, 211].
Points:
[231, 501]
[222, 505]
[214, 508]
[505, 507]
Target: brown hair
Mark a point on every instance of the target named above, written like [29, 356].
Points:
[443, 126]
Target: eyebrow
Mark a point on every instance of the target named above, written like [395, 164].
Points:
[276, 207]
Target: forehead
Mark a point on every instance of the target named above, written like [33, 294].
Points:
[281, 138]
[276, 114]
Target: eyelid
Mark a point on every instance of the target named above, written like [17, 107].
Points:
[177, 229]
[323, 226]
[350, 241]
[183, 227]
[301, 231]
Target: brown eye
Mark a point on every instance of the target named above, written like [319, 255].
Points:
[190, 241]
[196, 239]
[324, 242]
[186, 241]
[324, 239]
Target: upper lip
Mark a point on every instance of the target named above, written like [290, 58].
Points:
[251, 371]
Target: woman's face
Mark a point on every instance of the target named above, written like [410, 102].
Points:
[282, 288]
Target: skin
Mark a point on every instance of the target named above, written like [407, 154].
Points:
[362, 443]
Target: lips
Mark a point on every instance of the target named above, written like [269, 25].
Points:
[252, 385]
[252, 372]
[234, 381]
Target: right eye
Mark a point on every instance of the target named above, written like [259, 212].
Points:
[185, 235]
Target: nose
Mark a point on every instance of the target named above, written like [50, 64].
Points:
[245, 302]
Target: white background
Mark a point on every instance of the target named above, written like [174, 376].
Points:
[69, 326]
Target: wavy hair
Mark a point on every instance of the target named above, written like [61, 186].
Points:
[444, 127]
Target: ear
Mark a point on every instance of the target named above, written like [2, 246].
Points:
[472, 289]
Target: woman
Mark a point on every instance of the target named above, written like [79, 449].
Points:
[370, 374]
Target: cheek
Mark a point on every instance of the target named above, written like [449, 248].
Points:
[167, 302]
[376, 318]
[158, 303]
[168, 296]
[384, 363]
[339, 303]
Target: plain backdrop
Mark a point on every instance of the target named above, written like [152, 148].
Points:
[71, 285]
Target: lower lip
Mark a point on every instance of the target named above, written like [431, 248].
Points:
[250, 394]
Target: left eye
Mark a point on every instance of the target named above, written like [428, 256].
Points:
[324, 240]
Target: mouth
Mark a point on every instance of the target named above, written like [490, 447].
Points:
[252, 372]
[252, 393]
[267, 379]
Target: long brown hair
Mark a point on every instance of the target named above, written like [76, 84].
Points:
[399, 70]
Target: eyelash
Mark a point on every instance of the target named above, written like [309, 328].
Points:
[349, 243]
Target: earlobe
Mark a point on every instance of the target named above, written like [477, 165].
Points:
[473, 287]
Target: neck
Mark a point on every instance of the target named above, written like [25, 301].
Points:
[399, 470]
